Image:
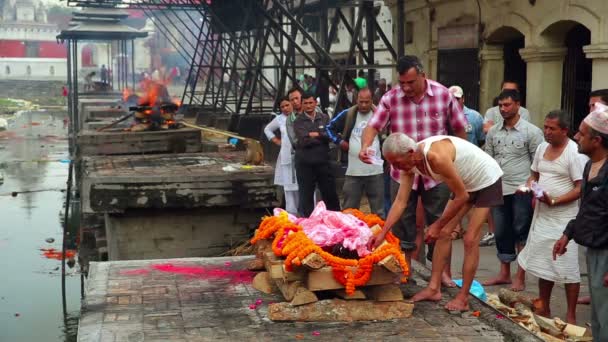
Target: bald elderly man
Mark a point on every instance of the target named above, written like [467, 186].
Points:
[473, 177]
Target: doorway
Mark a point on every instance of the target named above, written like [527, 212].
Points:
[576, 82]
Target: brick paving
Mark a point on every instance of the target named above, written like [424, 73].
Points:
[132, 301]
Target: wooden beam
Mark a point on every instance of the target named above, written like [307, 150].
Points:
[338, 310]
[323, 279]
[384, 293]
[358, 294]
[303, 296]
[391, 264]
[263, 283]
[314, 261]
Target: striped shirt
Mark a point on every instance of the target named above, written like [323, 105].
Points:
[427, 118]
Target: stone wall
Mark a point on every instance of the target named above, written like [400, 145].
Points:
[158, 234]
[39, 92]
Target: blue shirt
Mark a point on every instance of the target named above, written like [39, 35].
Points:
[474, 127]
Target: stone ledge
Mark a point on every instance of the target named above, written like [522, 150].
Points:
[511, 330]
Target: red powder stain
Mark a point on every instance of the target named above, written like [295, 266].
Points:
[141, 271]
[52, 253]
[235, 276]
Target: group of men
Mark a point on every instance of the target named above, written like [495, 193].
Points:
[529, 180]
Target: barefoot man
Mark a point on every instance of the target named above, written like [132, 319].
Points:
[473, 177]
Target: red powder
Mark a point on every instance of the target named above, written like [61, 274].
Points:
[235, 276]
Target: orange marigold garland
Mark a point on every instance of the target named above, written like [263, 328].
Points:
[290, 242]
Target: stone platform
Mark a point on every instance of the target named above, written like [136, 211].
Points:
[118, 141]
[113, 184]
[152, 301]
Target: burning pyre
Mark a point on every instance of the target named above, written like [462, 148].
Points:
[153, 111]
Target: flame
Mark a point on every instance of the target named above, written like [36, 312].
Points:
[151, 94]
[126, 92]
[176, 101]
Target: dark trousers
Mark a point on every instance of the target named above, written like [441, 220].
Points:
[319, 175]
[512, 223]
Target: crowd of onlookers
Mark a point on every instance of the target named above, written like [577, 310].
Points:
[544, 176]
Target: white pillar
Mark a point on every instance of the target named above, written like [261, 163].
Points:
[544, 80]
[491, 75]
[599, 54]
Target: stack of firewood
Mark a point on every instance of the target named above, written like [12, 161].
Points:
[301, 288]
[521, 309]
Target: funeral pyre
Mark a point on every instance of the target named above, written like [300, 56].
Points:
[338, 240]
[153, 111]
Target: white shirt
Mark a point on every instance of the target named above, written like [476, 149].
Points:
[475, 167]
[355, 166]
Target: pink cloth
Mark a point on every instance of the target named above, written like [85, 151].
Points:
[328, 228]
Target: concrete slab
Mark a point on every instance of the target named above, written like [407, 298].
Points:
[153, 301]
[113, 184]
[117, 141]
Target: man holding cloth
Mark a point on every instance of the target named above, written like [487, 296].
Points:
[420, 108]
[590, 227]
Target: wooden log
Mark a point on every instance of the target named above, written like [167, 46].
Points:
[391, 264]
[358, 294]
[288, 289]
[299, 274]
[576, 331]
[263, 283]
[314, 261]
[323, 279]
[548, 338]
[303, 296]
[261, 247]
[273, 265]
[547, 326]
[509, 298]
[338, 310]
[384, 293]
[256, 265]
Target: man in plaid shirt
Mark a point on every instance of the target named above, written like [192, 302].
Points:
[420, 108]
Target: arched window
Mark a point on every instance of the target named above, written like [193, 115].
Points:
[28, 70]
[52, 70]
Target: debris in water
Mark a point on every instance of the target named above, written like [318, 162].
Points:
[52, 253]
[14, 193]
[71, 262]
[49, 240]
[17, 314]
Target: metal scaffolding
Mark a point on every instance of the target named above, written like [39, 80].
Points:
[245, 54]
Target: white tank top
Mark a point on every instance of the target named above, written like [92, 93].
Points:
[477, 169]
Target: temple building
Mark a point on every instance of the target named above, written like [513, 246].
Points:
[28, 48]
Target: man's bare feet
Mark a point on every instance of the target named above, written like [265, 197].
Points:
[586, 300]
[427, 294]
[447, 281]
[458, 304]
[518, 285]
[500, 280]
[571, 319]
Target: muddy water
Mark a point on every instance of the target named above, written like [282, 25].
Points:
[33, 155]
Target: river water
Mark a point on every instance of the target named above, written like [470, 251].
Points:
[33, 161]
